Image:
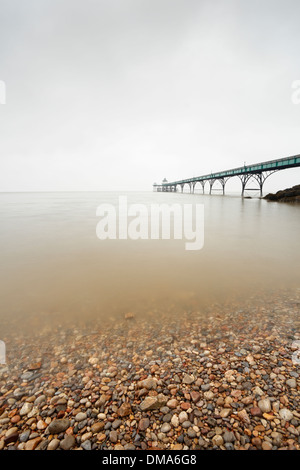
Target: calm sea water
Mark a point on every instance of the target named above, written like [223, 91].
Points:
[52, 261]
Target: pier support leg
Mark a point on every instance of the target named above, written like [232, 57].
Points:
[261, 183]
[222, 181]
[259, 177]
[244, 179]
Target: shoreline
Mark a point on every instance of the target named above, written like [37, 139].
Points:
[225, 378]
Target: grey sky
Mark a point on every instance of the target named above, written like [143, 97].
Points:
[117, 94]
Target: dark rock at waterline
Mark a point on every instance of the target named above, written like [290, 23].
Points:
[285, 195]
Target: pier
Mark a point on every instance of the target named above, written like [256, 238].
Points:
[257, 172]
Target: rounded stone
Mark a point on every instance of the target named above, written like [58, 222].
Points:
[26, 408]
[165, 428]
[175, 421]
[173, 403]
[24, 436]
[228, 436]
[80, 416]
[182, 416]
[285, 414]
[86, 445]
[96, 427]
[265, 405]
[266, 445]
[53, 444]
[58, 425]
[256, 411]
[217, 440]
[68, 442]
[117, 423]
[144, 423]
[291, 383]
[113, 436]
[191, 433]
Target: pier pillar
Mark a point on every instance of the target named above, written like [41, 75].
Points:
[244, 179]
[223, 182]
[261, 183]
[260, 178]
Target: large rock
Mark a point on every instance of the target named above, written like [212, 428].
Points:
[286, 195]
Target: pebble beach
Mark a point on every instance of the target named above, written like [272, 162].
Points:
[173, 378]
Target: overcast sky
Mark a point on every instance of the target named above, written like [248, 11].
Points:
[117, 94]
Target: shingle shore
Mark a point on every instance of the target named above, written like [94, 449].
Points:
[224, 378]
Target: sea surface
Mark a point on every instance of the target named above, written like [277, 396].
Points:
[52, 262]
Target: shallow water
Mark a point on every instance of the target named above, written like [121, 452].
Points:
[53, 263]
